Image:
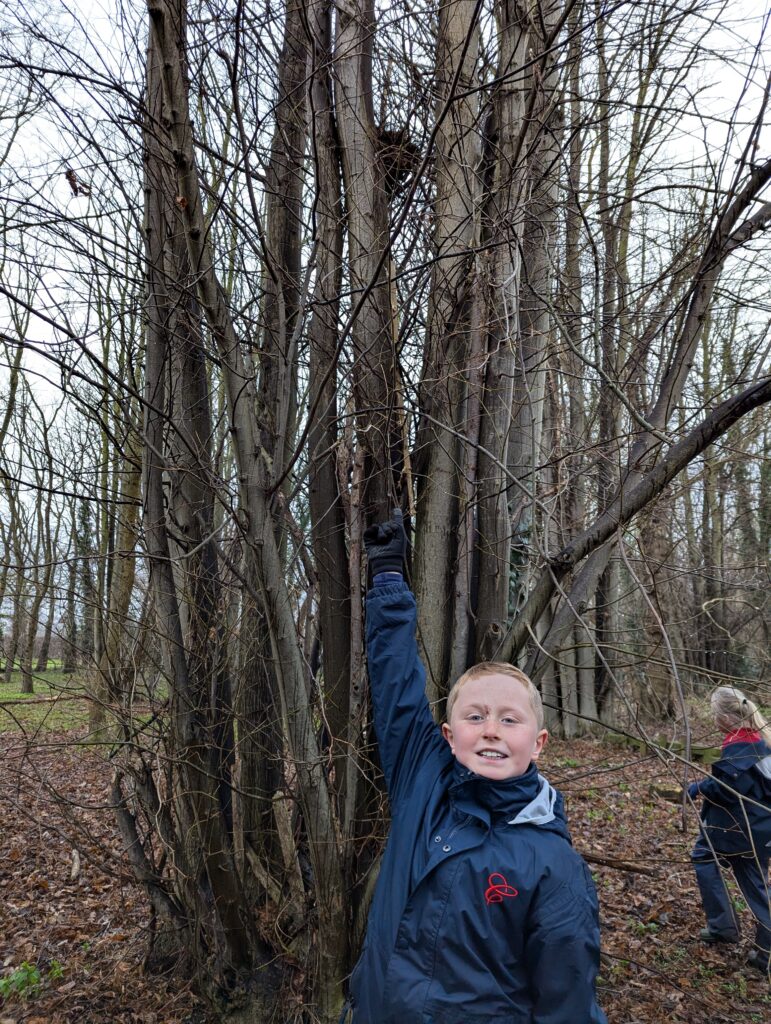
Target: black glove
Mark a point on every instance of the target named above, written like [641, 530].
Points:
[386, 545]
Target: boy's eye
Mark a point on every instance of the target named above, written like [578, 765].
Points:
[474, 717]
[508, 720]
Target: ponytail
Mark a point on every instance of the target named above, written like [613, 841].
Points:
[733, 711]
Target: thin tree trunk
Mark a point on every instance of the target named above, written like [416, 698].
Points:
[17, 622]
[84, 552]
[18, 595]
[444, 384]
[69, 638]
[463, 629]
[504, 234]
[111, 670]
[43, 656]
[609, 442]
[32, 617]
[374, 366]
[539, 248]
[578, 677]
[326, 505]
[283, 230]
[657, 548]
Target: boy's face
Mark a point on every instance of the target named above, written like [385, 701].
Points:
[493, 728]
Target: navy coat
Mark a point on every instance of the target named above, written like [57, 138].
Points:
[483, 911]
[736, 813]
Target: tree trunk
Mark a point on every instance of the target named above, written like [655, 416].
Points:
[448, 362]
[17, 622]
[504, 235]
[578, 684]
[283, 222]
[342, 702]
[258, 532]
[541, 202]
[177, 389]
[374, 359]
[70, 637]
[18, 596]
[43, 656]
[657, 549]
[112, 670]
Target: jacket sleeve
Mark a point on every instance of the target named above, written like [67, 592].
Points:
[712, 791]
[408, 737]
[719, 787]
[563, 950]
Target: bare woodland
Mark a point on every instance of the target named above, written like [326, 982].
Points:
[268, 272]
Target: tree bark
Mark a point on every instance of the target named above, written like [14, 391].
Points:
[541, 203]
[374, 371]
[43, 657]
[283, 230]
[177, 393]
[448, 364]
[258, 526]
[504, 235]
[341, 703]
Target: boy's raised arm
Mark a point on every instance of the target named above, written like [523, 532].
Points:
[406, 732]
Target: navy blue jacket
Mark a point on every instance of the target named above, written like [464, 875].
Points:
[483, 911]
[736, 813]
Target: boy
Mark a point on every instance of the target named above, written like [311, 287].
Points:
[483, 911]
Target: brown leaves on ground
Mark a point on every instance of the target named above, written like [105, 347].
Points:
[68, 901]
[68, 905]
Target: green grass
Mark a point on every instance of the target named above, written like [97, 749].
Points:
[57, 705]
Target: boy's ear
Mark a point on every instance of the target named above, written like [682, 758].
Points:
[447, 733]
[540, 743]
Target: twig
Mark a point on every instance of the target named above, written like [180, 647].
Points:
[617, 863]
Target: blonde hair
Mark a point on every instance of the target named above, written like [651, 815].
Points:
[497, 668]
[732, 711]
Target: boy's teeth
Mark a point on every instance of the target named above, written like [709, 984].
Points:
[490, 753]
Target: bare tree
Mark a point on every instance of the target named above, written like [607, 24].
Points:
[437, 258]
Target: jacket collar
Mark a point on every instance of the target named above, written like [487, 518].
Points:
[742, 736]
[741, 755]
[524, 800]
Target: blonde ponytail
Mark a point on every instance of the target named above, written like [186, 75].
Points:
[732, 711]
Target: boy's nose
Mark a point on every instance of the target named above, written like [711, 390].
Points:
[490, 727]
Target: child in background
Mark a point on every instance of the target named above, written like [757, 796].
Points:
[736, 823]
[483, 911]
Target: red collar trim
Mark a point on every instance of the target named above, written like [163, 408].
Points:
[742, 736]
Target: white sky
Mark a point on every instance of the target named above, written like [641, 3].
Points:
[722, 80]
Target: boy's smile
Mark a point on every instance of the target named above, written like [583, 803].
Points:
[493, 728]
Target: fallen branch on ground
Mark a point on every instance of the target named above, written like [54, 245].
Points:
[617, 863]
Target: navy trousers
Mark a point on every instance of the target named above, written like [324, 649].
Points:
[751, 874]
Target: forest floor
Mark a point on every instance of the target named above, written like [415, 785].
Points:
[70, 912]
